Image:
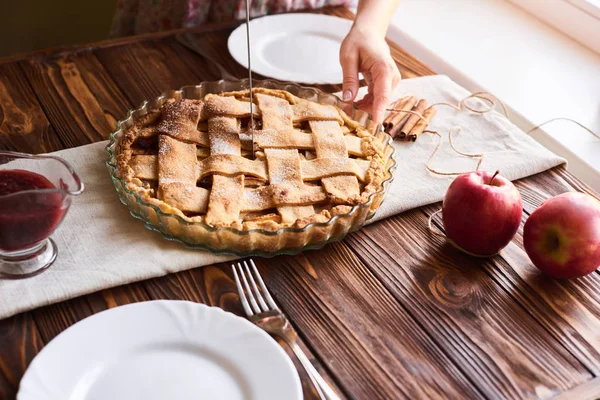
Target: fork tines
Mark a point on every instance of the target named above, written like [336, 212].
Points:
[251, 294]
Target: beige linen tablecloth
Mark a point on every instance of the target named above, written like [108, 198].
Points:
[101, 245]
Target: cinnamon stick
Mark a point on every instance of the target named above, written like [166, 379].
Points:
[419, 128]
[396, 122]
[388, 119]
[413, 119]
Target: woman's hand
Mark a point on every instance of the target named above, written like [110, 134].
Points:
[367, 52]
[364, 50]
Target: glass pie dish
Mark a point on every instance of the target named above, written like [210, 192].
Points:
[198, 234]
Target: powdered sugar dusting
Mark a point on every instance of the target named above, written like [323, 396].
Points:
[163, 148]
[223, 147]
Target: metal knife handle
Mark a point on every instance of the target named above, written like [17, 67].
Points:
[250, 73]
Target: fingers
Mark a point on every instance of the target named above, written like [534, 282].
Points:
[397, 78]
[368, 79]
[371, 56]
[366, 103]
[349, 62]
[369, 82]
[383, 80]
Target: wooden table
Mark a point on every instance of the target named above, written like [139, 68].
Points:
[391, 312]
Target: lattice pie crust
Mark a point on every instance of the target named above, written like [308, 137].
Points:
[193, 158]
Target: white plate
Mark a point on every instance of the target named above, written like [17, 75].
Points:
[293, 47]
[162, 350]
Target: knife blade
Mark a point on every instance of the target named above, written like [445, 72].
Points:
[250, 74]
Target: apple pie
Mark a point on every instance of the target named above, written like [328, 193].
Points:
[194, 159]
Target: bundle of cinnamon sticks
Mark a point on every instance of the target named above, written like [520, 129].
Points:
[404, 125]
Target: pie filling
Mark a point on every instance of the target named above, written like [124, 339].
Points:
[193, 158]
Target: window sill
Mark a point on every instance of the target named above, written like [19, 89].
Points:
[537, 71]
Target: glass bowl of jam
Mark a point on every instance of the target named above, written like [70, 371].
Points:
[35, 194]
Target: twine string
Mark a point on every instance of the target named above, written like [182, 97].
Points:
[491, 101]
[433, 230]
[445, 173]
[563, 119]
[486, 97]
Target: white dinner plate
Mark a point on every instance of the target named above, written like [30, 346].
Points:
[162, 350]
[293, 47]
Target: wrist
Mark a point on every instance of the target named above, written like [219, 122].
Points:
[369, 28]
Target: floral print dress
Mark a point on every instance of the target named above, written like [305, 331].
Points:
[143, 16]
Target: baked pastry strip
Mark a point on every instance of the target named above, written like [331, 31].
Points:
[224, 205]
[145, 167]
[305, 110]
[177, 175]
[180, 120]
[330, 143]
[284, 169]
[299, 140]
[227, 106]
[283, 164]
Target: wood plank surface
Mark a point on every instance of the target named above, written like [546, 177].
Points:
[76, 102]
[392, 312]
[146, 69]
[23, 124]
[489, 335]
[364, 336]
[20, 341]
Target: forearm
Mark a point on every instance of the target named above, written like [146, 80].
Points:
[374, 16]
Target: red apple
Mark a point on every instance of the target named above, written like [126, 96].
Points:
[562, 236]
[482, 212]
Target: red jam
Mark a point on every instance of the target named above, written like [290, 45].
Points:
[27, 218]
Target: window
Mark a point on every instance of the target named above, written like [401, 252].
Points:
[579, 19]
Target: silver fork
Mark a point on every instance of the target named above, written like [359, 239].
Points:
[262, 311]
